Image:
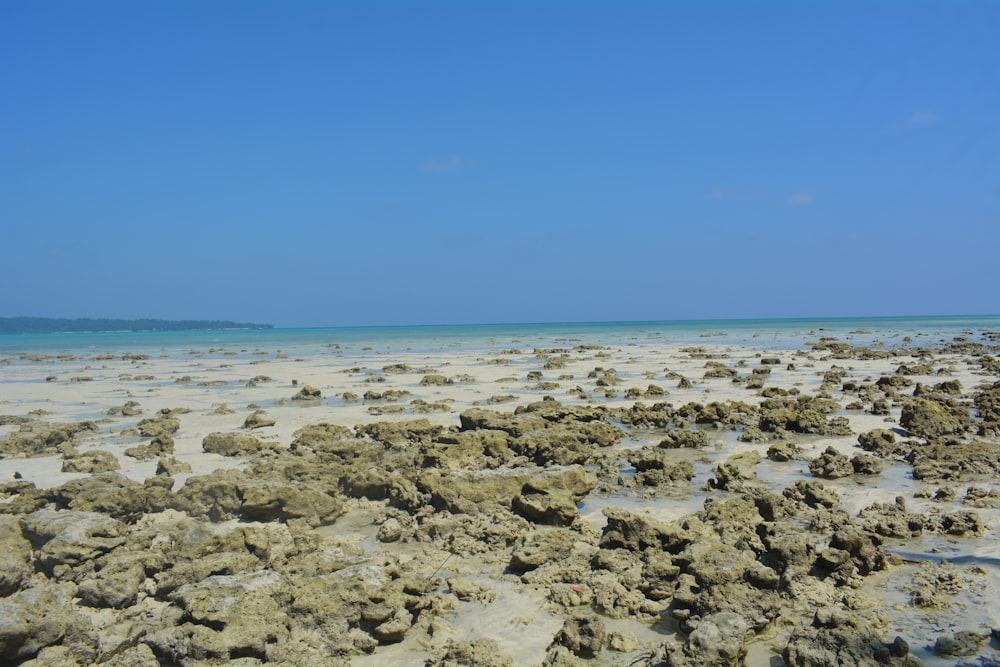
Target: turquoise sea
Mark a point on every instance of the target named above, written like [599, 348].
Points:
[762, 333]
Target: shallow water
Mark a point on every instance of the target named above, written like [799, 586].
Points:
[976, 607]
[665, 509]
[758, 333]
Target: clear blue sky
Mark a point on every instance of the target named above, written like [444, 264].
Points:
[354, 163]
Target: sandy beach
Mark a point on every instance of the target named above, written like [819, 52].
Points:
[825, 500]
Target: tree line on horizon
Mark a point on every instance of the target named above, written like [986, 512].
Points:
[29, 325]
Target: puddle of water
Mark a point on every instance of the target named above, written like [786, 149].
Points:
[665, 509]
[778, 475]
[516, 619]
[763, 654]
[975, 607]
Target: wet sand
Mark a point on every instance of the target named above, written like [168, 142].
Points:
[601, 442]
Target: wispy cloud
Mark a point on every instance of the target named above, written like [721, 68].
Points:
[451, 163]
[924, 118]
[720, 193]
[755, 197]
[801, 198]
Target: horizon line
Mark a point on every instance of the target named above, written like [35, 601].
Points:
[711, 320]
[821, 318]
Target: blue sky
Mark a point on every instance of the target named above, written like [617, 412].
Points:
[365, 163]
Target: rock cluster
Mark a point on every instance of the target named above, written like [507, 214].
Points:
[341, 540]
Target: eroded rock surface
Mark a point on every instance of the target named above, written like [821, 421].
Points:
[336, 541]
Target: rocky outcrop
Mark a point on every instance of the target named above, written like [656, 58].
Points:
[879, 441]
[113, 494]
[655, 467]
[402, 433]
[44, 615]
[434, 380]
[225, 617]
[684, 438]
[350, 539]
[326, 438]
[987, 404]
[955, 461]
[236, 494]
[129, 409]
[540, 546]
[481, 652]
[92, 461]
[737, 469]
[892, 520]
[65, 539]
[718, 640]
[38, 438]
[308, 393]
[550, 497]
[831, 464]
[161, 445]
[841, 638]
[162, 424]
[235, 444]
[374, 483]
[584, 636]
[548, 433]
[15, 550]
[257, 419]
[932, 420]
[803, 414]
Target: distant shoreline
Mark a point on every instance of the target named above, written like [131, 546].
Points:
[43, 325]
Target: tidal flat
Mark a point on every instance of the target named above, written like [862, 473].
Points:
[816, 497]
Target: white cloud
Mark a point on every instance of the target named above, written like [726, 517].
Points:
[803, 198]
[451, 163]
[923, 118]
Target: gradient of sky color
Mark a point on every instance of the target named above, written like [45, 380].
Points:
[365, 163]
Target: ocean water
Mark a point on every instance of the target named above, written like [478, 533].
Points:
[761, 333]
